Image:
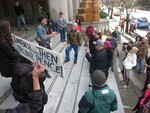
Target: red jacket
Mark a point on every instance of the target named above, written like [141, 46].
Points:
[146, 95]
[89, 30]
[79, 28]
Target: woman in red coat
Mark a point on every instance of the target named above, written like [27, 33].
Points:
[78, 26]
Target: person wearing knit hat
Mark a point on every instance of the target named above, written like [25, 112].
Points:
[98, 78]
[95, 100]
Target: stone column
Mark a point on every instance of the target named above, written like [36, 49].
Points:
[75, 6]
[70, 9]
[56, 6]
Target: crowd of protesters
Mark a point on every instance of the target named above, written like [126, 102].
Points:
[28, 78]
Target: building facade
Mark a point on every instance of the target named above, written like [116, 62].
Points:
[34, 8]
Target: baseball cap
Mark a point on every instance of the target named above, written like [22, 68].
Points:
[99, 42]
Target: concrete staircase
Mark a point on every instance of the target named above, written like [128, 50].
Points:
[89, 10]
[65, 93]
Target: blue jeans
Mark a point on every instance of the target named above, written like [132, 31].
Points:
[62, 34]
[140, 65]
[21, 20]
[75, 48]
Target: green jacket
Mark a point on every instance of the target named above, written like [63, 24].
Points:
[74, 37]
[99, 100]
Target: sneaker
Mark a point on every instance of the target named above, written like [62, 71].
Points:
[67, 60]
[75, 62]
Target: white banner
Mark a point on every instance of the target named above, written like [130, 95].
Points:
[50, 59]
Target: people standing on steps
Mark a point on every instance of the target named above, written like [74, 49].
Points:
[62, 26]
[73, 41]
[100, 99]
[20, 16]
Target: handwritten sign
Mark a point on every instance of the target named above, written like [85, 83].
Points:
[50, 59]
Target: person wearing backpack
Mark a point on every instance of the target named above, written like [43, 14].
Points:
[101, 99]
[12, 64]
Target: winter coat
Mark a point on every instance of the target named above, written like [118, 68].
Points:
[98, 100]
[79, 28]
[113, 43]
[89, 30]
[130, 61]
[33, 106]
[43, 38]
[142, 49]
[91, 45]
[12, 64]
[74, 37]
[98, 61]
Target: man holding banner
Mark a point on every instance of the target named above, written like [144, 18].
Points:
[12, 64]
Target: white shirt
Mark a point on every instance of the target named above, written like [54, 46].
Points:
[130, 61]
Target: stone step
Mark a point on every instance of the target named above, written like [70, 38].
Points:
[57, 93]
[81, 11]
[82, 4]
[71, 90]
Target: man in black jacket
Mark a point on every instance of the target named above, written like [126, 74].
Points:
[20, 16]
[12, 64]
[35, 103]
[99, 60]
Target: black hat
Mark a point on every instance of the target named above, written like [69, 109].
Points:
[98, 78]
